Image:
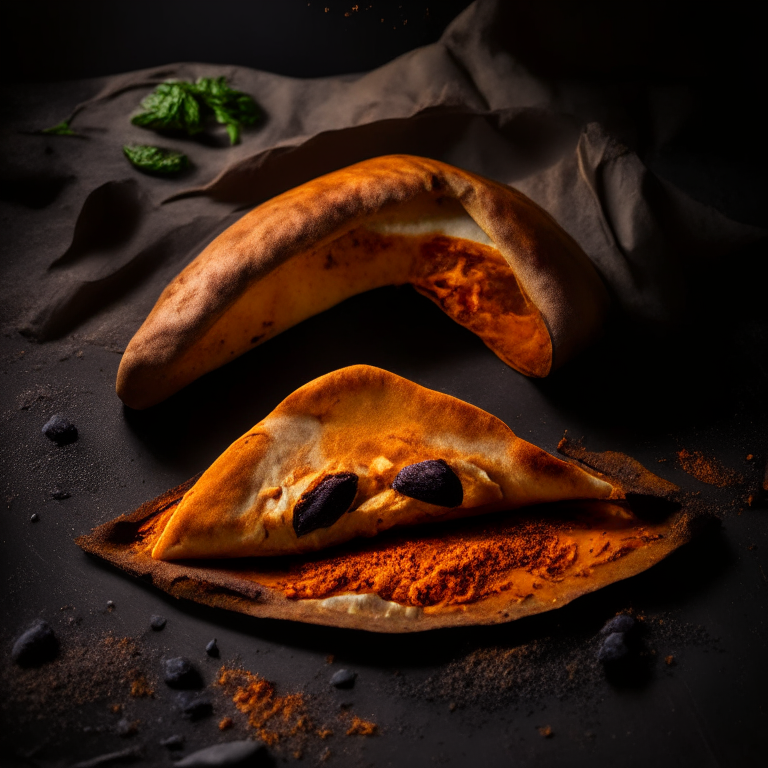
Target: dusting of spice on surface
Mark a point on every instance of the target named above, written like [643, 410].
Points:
[466, 562]
[273, 717]
[707, 469]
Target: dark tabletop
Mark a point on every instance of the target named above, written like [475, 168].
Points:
[529, 693]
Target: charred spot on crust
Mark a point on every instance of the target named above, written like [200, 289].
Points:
[325, 503]
[432, 481]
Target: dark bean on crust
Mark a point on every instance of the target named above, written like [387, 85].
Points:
[431, 481]
[325, 503]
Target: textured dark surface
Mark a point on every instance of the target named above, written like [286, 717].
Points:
[696, 695]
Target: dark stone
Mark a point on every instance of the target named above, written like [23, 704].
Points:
[60, 430]
[60, 495]
[173, 742]
[431, 481]
[325, 503]
[194, 705]
[110, 605]
[227, 755]
[157, 622]
[344, 678]
[35, 518]
[179, 673]
[613, 649]
[621, 623]
[212, 649]
[35, 646]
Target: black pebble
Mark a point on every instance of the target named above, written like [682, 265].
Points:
[157, 622]
[35, 518]
[431, 481]
[613, 649]
[620, 623]
[173, 742]
[344, 678]
[212, 649]
[325, 503]
[194, 705]
[110, 605]
[60, 430]
[35, 646]
[60, 495]
[179, 673]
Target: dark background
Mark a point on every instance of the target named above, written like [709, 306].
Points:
[702, 387]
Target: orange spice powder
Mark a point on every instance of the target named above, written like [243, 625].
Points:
[273, 717]
[360, 727]
[456, 566]
[707, 470]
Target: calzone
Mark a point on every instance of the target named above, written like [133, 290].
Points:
[354, 453]
[492, 259]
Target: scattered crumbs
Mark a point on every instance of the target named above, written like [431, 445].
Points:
[750, 457]
[226, 723]
[273, 717]
[670, 661]
[329, 658]
[360, 727]
[140, 686]
[546, 731]
[324, 733]
[116, 709]
[707, 469]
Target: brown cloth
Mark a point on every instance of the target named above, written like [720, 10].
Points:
[94, 241]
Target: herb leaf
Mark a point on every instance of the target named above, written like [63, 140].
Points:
[171, 106]
[179, 105]
[62, 129]
[156, 159]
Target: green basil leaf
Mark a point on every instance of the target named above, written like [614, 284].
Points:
[171, 106]
[156, 159]
[62, 129]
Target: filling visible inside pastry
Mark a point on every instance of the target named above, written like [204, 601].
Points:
[356, 452]
[432, 244]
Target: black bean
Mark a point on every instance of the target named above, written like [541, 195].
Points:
[194, 705]
[157, 622]
[212, 649]
[431, 481]
[231, 753]
[179, 673]
[325, 503]
[34, 518]
[621, 623]
[344, 678]
[60, 429]
[36, 645]
[613, 649]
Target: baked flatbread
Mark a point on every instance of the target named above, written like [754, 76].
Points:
[354, 453]
[491, 258]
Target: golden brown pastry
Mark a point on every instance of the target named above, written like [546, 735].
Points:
[491, 258]
[354, 453]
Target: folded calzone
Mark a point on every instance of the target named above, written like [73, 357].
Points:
[354, 453]
[491, 258]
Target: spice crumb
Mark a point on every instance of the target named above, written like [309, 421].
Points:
[546, 731]
[226, 723]
[750, 457]
[670, 661]
[360, 727]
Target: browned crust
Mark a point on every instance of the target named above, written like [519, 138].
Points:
[551, 268]
[248, 586]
